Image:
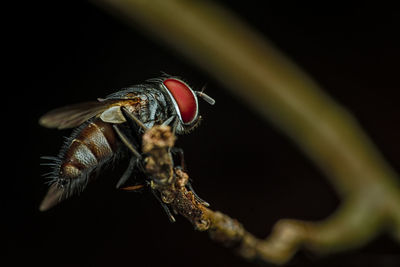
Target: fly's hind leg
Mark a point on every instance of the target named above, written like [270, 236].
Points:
[128, 172]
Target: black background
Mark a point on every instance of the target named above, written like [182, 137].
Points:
[71, 51]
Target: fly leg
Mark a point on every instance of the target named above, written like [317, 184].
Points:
[203, 202]
[133, 118]
[133, 187]
[165, 207]
[180, 153]
[174, 120]
[169, 120]
[174, 126]
[189, 186]
[127, 142]
[128, 172]
[134, 159]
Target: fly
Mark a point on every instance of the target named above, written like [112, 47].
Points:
[110, 125]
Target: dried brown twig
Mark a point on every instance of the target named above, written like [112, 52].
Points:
[170, 182]
[251, 67]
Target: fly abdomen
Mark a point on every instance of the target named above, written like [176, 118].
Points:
[94, 145]
[88, 148]
[78, 161]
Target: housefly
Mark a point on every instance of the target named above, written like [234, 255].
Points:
[105, 127]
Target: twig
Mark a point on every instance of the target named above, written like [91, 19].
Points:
[251, 67]
[171, 184]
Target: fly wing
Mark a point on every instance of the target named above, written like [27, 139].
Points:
[73, 115]
[52, 198]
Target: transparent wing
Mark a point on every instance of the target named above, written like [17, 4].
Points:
[73, 115]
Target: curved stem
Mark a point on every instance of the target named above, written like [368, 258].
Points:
[251, 67]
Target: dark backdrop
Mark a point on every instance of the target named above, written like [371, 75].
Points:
[67, 52]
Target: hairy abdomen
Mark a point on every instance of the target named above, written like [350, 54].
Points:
[89, 147]
[94, 145]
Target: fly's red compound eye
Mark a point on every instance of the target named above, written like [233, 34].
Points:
[184, 98]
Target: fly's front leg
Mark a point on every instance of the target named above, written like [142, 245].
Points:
[190, 188]
[179, 151]
[128, 115]
[164, 206]
[175, 125]
[169, 120]
[175, 121]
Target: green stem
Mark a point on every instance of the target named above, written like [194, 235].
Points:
[252, 68]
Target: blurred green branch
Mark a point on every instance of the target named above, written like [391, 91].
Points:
[253, 69]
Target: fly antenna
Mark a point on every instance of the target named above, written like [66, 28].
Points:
[205, 97]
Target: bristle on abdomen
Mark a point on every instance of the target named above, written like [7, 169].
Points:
[89, 147]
